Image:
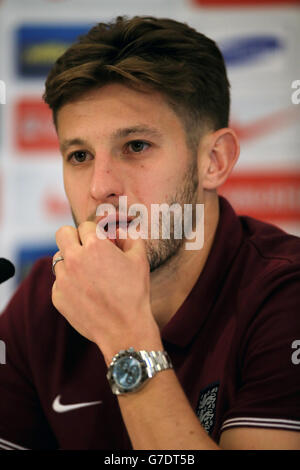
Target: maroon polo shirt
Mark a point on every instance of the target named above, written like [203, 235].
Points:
[232, 344]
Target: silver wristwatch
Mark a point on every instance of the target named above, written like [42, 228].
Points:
[130, 369]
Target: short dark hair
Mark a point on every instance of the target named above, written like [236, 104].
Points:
[147, 53]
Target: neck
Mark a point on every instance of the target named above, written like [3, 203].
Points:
[173, 281]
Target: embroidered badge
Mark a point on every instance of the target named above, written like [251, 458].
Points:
[206, 406]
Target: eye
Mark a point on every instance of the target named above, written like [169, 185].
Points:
[79, 156]
[137, 146]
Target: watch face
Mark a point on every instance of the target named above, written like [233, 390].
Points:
[127, 372]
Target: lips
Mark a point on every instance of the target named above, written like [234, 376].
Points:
[110, 223]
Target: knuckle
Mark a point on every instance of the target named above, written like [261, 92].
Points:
[92, 242]
[83, 224]
[71, 259]
[59, 232]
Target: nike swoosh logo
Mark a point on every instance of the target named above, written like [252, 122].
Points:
[60, 408]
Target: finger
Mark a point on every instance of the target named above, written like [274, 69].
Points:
[66, 237]
[55, 265]
[129, 245]
[87, 231]
[56, 255]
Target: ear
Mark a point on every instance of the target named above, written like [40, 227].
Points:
[222, 152]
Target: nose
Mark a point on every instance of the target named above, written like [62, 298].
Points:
[106, 181]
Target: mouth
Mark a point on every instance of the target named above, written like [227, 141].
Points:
[110, 227]
[111, 223]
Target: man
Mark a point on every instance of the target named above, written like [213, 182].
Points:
[141, 110]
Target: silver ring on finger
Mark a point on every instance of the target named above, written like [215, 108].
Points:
[56, 260]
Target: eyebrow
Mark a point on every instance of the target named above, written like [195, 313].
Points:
[69, 142]
[117, 134]
[140, 129]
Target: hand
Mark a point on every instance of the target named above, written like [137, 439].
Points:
[103, 289]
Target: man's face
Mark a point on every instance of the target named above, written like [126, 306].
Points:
[115, 142]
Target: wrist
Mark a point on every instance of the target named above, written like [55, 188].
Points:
[130, 370]
[137, 345]
[148, 339]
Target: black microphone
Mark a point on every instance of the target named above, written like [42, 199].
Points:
[7, 270]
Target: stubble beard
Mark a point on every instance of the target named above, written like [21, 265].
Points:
[160, 251]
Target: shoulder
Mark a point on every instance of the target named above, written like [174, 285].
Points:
[268, 295]
[264, 295]
[270, 242]
[35, 333]
[31, 305]
[40, 278]
[267, 256]
[264, 283]
[252, 250]
[36, 289]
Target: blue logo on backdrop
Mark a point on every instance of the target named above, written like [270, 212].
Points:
[29, 254]
[38, 46]
[242, 50]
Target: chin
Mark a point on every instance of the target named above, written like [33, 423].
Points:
[163, 254]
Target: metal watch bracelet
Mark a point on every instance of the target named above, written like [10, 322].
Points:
[156, 361]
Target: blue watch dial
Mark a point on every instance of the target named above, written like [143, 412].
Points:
[127, 372]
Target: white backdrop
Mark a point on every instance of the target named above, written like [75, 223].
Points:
[260, 44]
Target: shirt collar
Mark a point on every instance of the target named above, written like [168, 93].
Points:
[189, 318]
